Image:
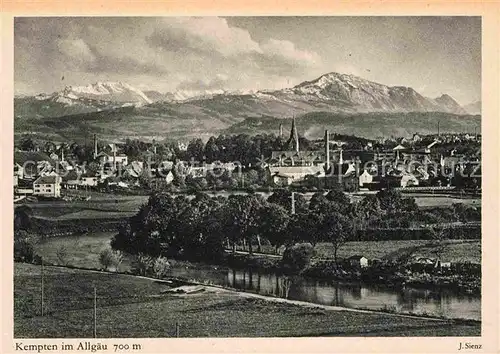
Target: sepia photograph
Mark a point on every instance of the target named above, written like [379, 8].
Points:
[247, 176]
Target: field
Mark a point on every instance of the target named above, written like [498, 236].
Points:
[128, 306]
[83, 251]
[113, 206]
[441, 200]
[101, 205]
[453, 251]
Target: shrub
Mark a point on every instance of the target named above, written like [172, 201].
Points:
[24, 250]
[142, 264]
[109, 258]
[298, 257]
[161, 267]
[62, 255]
[106, 258]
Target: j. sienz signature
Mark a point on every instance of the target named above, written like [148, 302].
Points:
[467, 345]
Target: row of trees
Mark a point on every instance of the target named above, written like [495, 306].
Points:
[204, 226]
[244, 148]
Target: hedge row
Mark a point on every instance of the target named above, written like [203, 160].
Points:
[416, 234]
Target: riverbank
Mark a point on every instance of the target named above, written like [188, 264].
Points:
[83, 251]
[389, 272]
[136, 307]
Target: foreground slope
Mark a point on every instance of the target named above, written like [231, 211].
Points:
[152, 313]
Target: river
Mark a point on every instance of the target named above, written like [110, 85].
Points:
[84, 251]
[352, 295]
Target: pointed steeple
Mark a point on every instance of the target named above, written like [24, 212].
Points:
[293, 141]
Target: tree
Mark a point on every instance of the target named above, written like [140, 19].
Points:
[391, 201]
[62, 255]
[24, 246]
[92, 168]
[274, 221]
[195, 150]
[242, 221]
[63, 148]
[252, 178]
[298, 257]
[304, 227]
[317, 200]
[337, 229]
[83, 153]
[106, 258]
[367, 210]
[340, 198]
[212, 150]
[180, 172]
[283, 197]
[49, 147]
[22, 217]
[142, 264]
[28, 144]
[438, 235]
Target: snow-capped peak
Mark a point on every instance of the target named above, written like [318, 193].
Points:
[109, 91]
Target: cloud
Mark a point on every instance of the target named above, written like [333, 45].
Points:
[286, 51]
[191, 53]
[211, 35]
[220, 82]
[75, 49]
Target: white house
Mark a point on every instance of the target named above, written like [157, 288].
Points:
[358, 261]
[409, 180]
[18, 170]
[365, 177]
[289, 174]
[442, 265]
[169, 178]
[105, 158]
[91, 181]
[18, 173]
[47, 186]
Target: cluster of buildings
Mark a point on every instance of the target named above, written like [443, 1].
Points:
[44, 175]
[401, 166]
[40, 174]
[408, 164]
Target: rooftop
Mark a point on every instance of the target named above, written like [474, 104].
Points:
[48, 180]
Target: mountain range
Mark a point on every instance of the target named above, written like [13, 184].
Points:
[474, 107]
[99, 106]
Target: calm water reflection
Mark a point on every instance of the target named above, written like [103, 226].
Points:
[352, 295]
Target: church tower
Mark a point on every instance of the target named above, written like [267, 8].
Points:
[293, 141]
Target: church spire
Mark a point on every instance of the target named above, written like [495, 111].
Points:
[293, 141]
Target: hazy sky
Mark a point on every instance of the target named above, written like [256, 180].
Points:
[434, 55]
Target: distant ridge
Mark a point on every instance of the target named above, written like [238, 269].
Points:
[474, 107]
[150, 112]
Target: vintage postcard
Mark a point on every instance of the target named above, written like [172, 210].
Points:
[250, 179]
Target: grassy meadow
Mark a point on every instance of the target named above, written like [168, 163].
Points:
[128, 306]
[83, 251]
[100, 206]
